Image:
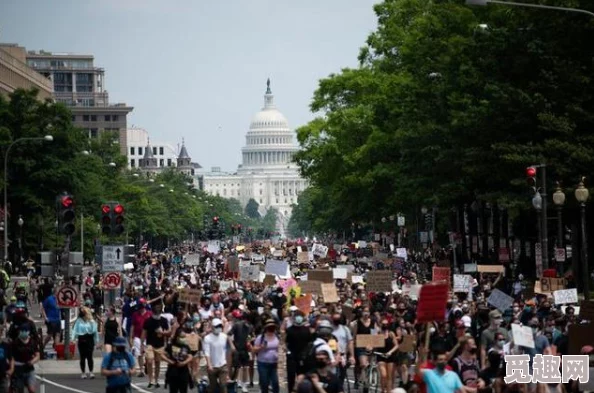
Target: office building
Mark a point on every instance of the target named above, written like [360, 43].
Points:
[16, 74]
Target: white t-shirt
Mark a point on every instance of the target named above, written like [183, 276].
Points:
[215, 348]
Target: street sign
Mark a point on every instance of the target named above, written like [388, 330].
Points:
[400, 221]
[538, 258]
[112, 280]
[560, 254]
[113, 258]
[67, 297]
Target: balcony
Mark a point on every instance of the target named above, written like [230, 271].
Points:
[71, 98]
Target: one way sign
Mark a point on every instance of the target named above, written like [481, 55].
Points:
[113, 258]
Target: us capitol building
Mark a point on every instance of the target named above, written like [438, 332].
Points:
[267, 173]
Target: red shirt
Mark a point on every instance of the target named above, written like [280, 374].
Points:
[138, 322]
[419, 380]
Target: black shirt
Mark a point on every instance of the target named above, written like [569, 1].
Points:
[178, 353]
[297, 338]
[24, 353]
[151, 325]
[240, 332]
[330, 383]
[5, 357]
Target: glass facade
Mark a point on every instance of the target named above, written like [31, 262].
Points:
[62, 81]
[84, 82]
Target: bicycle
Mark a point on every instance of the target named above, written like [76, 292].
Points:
[373, 374]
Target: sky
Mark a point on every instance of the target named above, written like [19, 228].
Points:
[197, 69]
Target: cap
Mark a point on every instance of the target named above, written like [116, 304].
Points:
[293, 308]
[119, 342]
[237, 314]
[495, 314]
[269, 322]
[216, 322]
[13, 298]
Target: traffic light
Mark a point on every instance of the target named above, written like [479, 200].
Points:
[531, 176]
[106, 219]
[66, 215]
[118, 219]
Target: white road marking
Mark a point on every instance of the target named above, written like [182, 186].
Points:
[139, 388]
[63, 386]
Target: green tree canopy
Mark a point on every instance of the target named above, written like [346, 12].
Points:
[251, 209]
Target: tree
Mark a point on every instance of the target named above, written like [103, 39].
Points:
[251, 209]
[269, 221]
[441, 111]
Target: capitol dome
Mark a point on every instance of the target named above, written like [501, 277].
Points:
[269, 141]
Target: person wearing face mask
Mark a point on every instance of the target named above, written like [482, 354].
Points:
[321, 380]
[85, 332]
[298, 334]
[137, 324]
[241, 333]
[345, 344]
[117, 366]
[25, 353]
[266, 348]
[488, 335]
[541, 343]
[438, 379]
[387, 361]
[178, 357]
[215, 346]
[466, 364]
[154, 332]
[363, 325]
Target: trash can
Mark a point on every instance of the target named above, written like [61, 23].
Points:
[59, 348]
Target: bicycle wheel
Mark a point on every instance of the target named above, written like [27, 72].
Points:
[373, 379]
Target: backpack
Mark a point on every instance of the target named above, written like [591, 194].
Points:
[112, 358]
[307, 357]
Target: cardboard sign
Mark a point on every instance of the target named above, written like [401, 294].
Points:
[269, 280]
[330, 293]
[408, 344]
[326, 276]
[276, 268]
[490, 269]
[303, 303]
[432, 303]
[411, 290]
[302, 257]
[379, 281]
[233, 264]
[309, 286]
[566, 296]
[550, 285]
[522, 335]
[190, 296]
[249, 273]
[340, 273]
[320, 250]
[442, 274]
[369, 340]
[192, 260]
[500, 300]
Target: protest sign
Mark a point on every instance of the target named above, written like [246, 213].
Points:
[303, 303]
[462, 283]
[442, 274]
[522, 335]
[500, 300]
[276, 268]
[339, 273]
[320, 250]
[490, 268]
[302, 257]
[190, 296]
[321, 275]
[249, 273]
[378, 281]
[566, 296]
[330, 293]
[551, 284]
[433, 298]
[309, 286]
[411, 290]
[369, 340]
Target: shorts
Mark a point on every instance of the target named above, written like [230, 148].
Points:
[241, 358]
[25, 379]
[54, 327]
[136, 347]
[361, 352]
[154, 353]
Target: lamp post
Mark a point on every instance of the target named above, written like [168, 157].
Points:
[47, 138]
[516, 4]
[559, 201]
[537, 203]
[582, 194]
[20, 223]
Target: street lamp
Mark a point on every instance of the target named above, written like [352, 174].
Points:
[47, 138]
[582, 194]
[559, 201]
[20, 223]
[512, 3]
[537, 203]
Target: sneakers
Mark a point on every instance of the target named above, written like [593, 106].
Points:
[83, 376]
[140, 375]
[91, 375]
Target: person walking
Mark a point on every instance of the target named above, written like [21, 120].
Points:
[53, 321]
[215, 346]
[111, 330]
[86, 335]
[178, 357]
[154, 332]
[266, 347]
[118, 366]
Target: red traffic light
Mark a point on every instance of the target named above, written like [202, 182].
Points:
[67, 201]
[119, 209]
[105, 209]
[215, 219]
[531, 171]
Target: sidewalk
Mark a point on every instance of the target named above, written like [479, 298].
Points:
[63, 367]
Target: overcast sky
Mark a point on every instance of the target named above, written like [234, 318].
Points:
[197, 68]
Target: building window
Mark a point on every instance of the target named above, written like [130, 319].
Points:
[260, 200]
[154, 151]
[62, 81]
[140, 151]
[285, 200]
[161, 150]
[132, 163]
[225, 192]
[85, 117]
[73, 118]
[260, 192]
[94, 132]
[169, 162]
[107, 117]
[277, 200]
[238, 193]
[84, 83]
[115, 117]
[161, 162]
[132, 151]
[93, 117]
